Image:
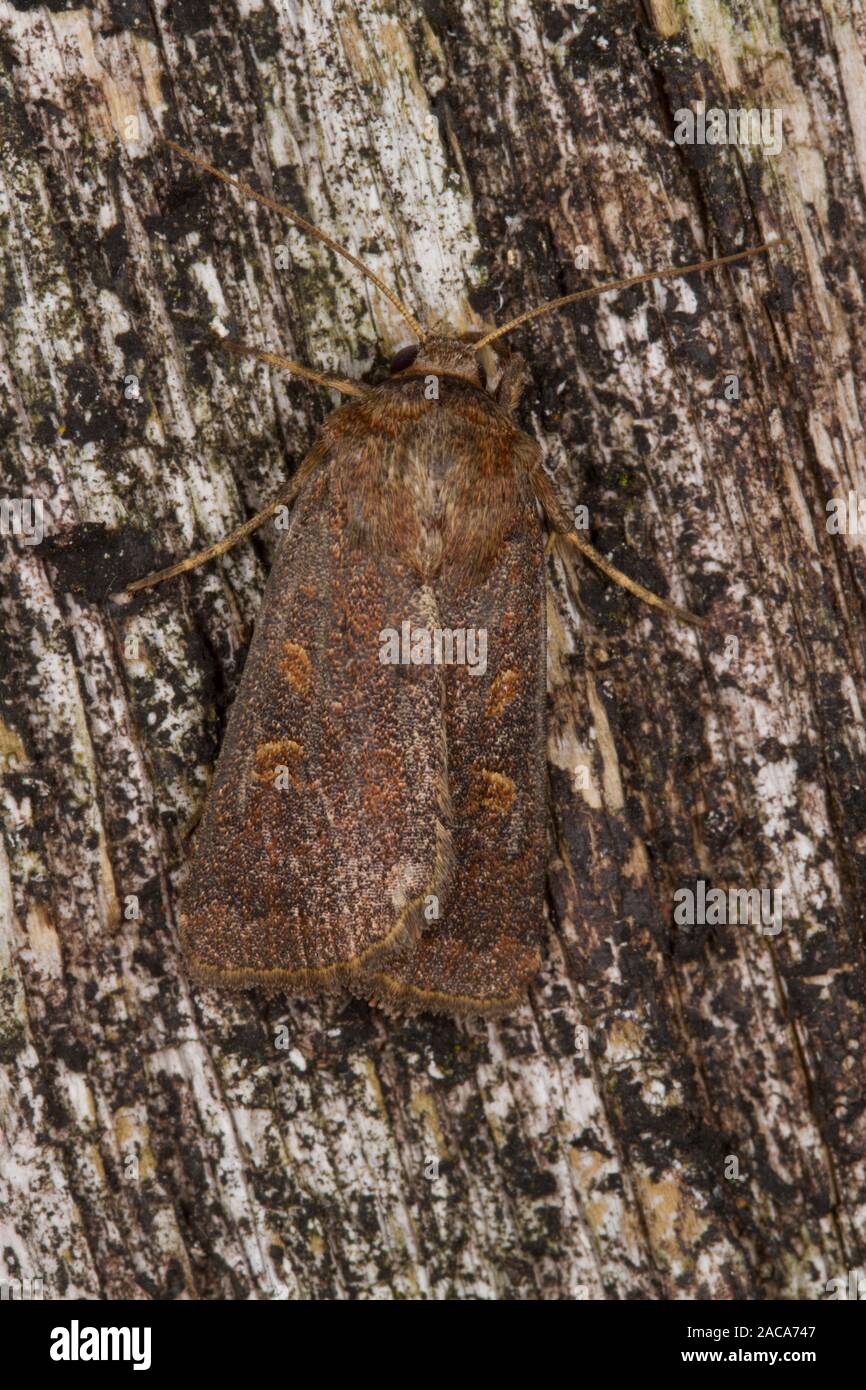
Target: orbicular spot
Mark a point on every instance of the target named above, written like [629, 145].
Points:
[503, 689]
[491, 791]
[296, 666]
[278, 763]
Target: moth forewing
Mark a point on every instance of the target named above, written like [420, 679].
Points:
[478, 954]
[320, 838]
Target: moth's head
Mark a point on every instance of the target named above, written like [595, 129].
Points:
[441, 356]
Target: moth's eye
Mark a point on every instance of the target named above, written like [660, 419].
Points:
[404, 358]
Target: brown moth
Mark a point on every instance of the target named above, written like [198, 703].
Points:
[377, 819]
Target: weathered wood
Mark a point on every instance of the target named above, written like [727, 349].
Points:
[164, 1142]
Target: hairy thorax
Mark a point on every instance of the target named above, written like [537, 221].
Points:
[433, 474]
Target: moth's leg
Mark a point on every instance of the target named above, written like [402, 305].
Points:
[201, 557]
[189, 827]
[514, 377]
[596, 558]
[334, 383]
[286, 495]
[557, 520]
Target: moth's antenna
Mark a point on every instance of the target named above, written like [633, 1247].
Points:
[308, 227]
[670, 273]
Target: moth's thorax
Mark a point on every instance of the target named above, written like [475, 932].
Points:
[430, 479]
[448, 356]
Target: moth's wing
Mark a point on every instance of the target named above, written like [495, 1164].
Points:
[483, 950]
[323, 831]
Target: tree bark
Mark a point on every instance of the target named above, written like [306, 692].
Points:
[678, 1111]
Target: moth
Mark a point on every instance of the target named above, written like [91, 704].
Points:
[377, 818]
